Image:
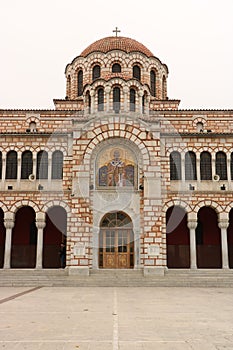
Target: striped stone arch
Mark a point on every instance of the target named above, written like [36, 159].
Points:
[176, 202]
[24, 203]
[190, 149]
[137, 58]
[58, 203]
[33, 119]
[125, 136]
[27, 148]
[42, 148]
[12, 148]
[201, 119]
[59, 148]
[228, 208]
[221, 149]
[207, 149]
[174, 149]
[208, 203]
[3, 207]
[92, 59]
[116, 57]
[100, 82]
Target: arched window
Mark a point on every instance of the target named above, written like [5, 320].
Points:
[144, 102]
[0, 165]
[57, 165]
[190, 166]
[88, 101]
[116, 68]
[68, 87]
[42, 165]
[137, 72]
[32, 127]
[26, 165]
[221, 165]
[11, 165]
[200, 127]
[80, 83]
[132, 100]
[164, 88]
[116, 99]
[231, 166]
[205, 166]
[153, 83]
[175, 166]
[96, 72]
[100, 99]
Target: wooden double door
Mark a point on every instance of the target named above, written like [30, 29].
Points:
[116, 249]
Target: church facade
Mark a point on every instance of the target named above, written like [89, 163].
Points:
[117, 172]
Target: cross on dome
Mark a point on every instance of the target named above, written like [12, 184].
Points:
[116, 31]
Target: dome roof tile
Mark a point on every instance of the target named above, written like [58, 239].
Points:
[116, 43]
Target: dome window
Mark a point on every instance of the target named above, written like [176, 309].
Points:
[100, 99]
[116, 68]
[116, 99]
[96, 72]
[132, 100]
[137, 72]
[80, 83]
[153, 83]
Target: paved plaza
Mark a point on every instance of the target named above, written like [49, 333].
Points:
[116, 318]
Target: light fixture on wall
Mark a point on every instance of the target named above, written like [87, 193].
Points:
[191, 187]
[223, 187]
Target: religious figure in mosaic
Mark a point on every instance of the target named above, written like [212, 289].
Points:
[117, 172]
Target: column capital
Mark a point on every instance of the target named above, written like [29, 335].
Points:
[9, 223]
[192, 224]
[40, 223]
[223, 224]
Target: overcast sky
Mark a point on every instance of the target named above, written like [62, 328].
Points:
[40, 37]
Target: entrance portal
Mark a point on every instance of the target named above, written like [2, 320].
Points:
[116, 242]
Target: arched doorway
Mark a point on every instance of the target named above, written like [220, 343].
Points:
[208, 239]
[116, 242]
[2, 238]
[177, 236]
[54, 235]
[230, 239]
[24, 239]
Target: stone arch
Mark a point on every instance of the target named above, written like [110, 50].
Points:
[177, 237]
[94, 143]
[17, 205]
[228, 208]
[24, 236]
[54, 234]
[135, 219]
[3, 207]
[56, 202]
[177, 202]
[208, 237]
[208, 203]
[58, 148]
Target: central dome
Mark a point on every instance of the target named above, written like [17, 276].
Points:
[117, 43]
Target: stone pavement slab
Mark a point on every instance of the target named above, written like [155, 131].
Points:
[57, 318]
